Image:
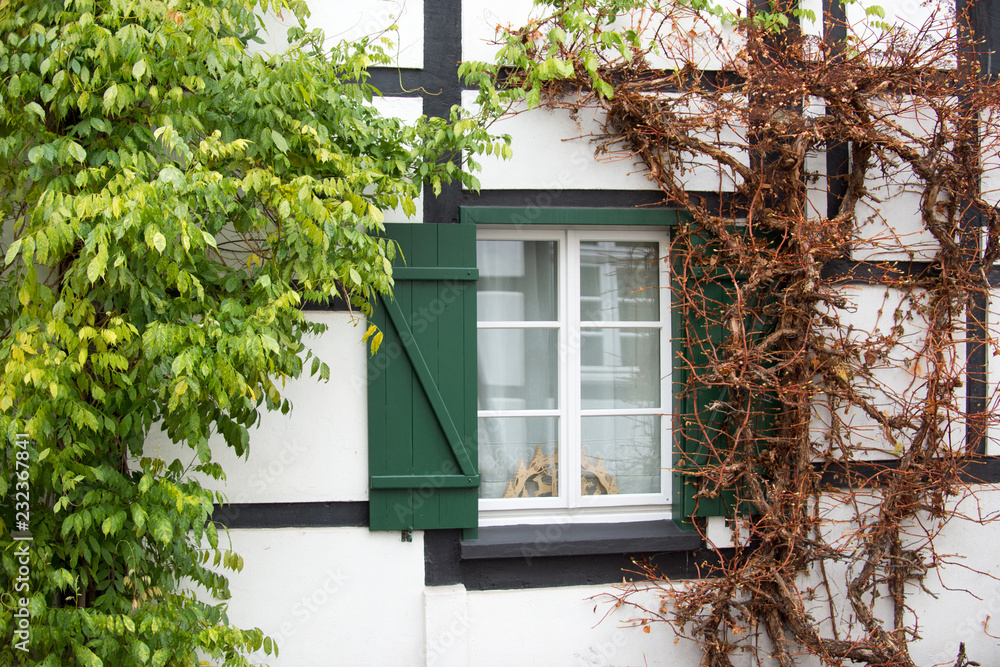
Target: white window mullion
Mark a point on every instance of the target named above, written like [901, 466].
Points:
[666, 379]
[566, 430]
[571, 355]
[519, 413]
[516, 324]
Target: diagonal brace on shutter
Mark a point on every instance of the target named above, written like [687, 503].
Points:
[469, 476]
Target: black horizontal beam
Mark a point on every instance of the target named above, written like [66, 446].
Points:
[292, 515]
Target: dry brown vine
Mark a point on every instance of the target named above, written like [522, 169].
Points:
[808, 387]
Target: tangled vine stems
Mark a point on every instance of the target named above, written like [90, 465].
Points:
[810, 167]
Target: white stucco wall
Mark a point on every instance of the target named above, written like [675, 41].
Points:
[958, 597]
[571, 626]
[350, 21]
[480, 19]
[871, 313]
[346, 596]
[993, 373]
[554, 151]
[317, 452]
[407, 109]
[332, 597]
[349, 596]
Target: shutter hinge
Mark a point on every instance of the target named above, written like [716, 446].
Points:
[406, 536]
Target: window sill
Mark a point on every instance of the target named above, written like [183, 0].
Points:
[579, 540]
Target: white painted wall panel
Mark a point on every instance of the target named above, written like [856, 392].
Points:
[687, 38]
[332, 597]
[990, 152]
[347, 20]
[480, 19]
[895, 385]
[889, 219]
[564, 626]
[407, 109]
[931, 19]
[347, 596]
[446, 631]
[552, 151]
[316, 453]
[960, 595]
[993, 374]
[967, 592]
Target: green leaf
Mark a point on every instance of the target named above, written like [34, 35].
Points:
[98, 264]
[110, 95]
[36, 109]
[269, 343]
[14, 86]
[86, 657]
[409, 207]
[279, 142]
[138, 516]
[161, 529]
[12, 251]
[77, 151]
[139, 69]
[159, 242]
[141, 651]
[160, 658]
[533, 97]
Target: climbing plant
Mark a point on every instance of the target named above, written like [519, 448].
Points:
[170, 198]
[831, 288]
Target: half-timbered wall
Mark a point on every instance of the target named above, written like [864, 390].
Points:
[333, 592]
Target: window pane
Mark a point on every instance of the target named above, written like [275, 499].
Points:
[619, 281]
[620, 368]
[517, 457]
[621, 454]
[517, 280]
[517, 369]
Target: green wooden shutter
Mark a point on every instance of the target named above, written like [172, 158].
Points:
[422, 443]
[700, 425]
[701, 428]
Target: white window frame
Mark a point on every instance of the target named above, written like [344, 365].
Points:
[571, 506]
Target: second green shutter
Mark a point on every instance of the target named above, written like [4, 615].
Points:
[701, 301]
